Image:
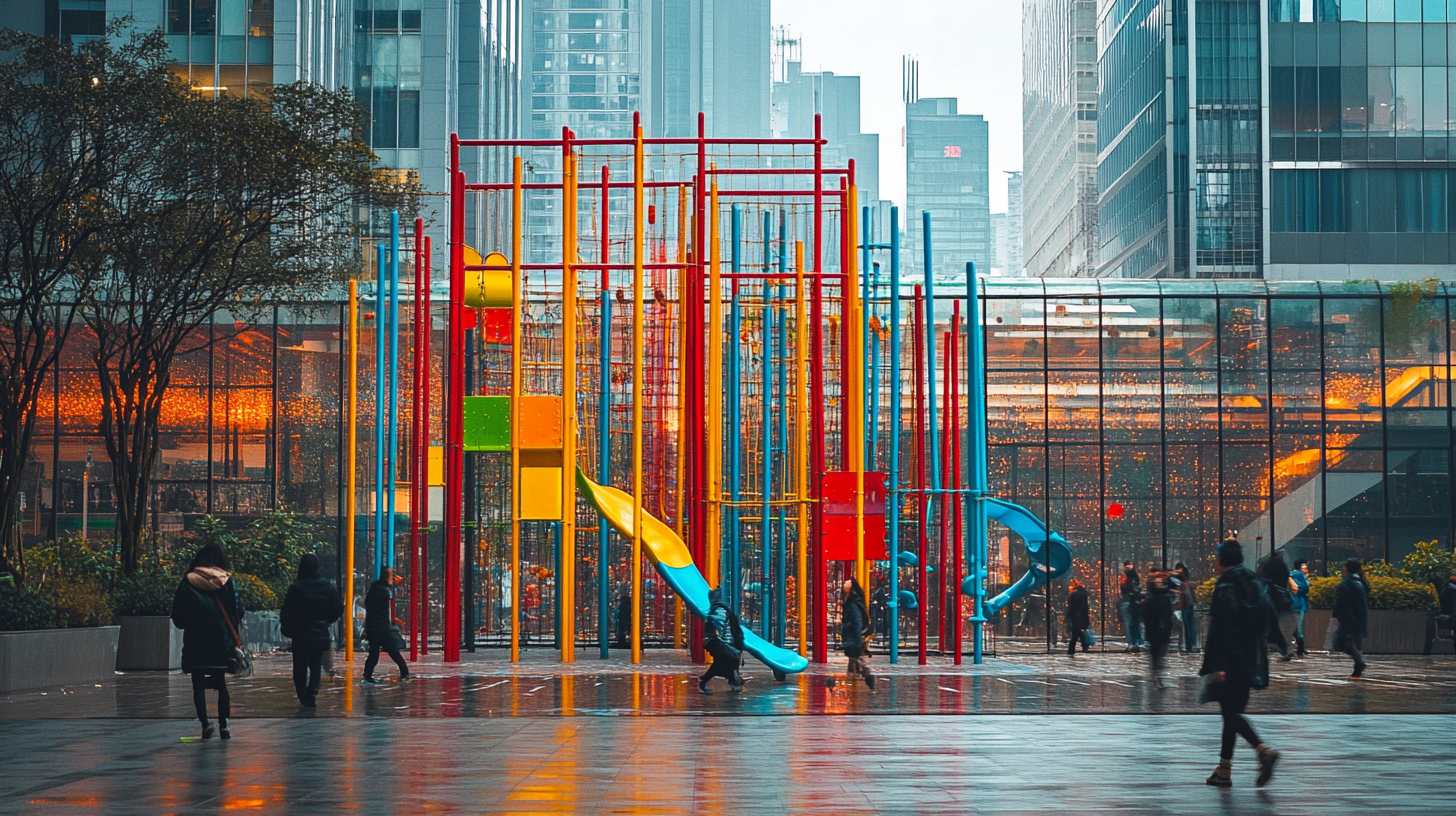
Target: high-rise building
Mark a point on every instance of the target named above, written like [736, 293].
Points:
[999, 250]
[798, 96]
[1059, 136]
[947, 174]
[1013, 259]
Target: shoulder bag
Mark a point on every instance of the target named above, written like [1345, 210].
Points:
[240, 663]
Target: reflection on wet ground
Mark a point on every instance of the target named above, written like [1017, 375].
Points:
[841, 765]
[486, 686]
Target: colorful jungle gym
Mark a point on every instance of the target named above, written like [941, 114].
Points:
[741, 422]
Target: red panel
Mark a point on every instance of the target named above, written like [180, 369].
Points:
[838, 510]
[498, 326]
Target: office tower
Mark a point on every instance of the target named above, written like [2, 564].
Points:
[798, 96]
[1013, 258]
[1059, 136]
[946, 167]
[711, 56]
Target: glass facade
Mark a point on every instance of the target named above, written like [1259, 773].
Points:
[1315, 417]
[222, 46]
[387, 56]
[947, 173]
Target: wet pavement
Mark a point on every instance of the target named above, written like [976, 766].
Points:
[487, 685]
[840, 765]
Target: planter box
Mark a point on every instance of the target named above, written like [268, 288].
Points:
[57, 657]
[149, 643]
[1392, 631]
[262, 632]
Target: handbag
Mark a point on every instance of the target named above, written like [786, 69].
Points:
[1332, 635]
[240, 663]
[1088, 638]
[1210, 691]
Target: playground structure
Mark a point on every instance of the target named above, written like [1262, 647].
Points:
[750, 405]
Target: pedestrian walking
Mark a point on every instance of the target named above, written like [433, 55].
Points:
[309, 609]
[1187, 607]
[1129, 602]
[1079, 617]
[1274, 572]
[855, 631]
[207, 609]
[1352, 611]
[1448, 608]
[1158, 623]
[1235, 660]
[1299, 585]
[723, 639]
[381, 627]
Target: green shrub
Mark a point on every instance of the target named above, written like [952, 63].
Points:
[146, 593]
[24, 608]
[255, 595]
[1385, 593]
[82, 602]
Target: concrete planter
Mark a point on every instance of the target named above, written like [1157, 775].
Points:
[1392, 631]
[57, 657]
[149, 643]
[262, 632]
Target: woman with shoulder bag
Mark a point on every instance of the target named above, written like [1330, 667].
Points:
[207, 609]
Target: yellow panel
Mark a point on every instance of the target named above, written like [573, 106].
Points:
[436, 473]
[487, 288]
[541, 493]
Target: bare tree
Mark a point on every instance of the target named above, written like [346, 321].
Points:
[67, 116]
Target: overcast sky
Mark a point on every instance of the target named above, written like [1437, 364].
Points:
[970, 49]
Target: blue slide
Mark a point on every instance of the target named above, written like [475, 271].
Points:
[1049, 554]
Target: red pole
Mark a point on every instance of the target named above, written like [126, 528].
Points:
[455, 391]
[943, 562]
[416, 450]
[920, 463]
[816, 396]
[693, 303]
[606, 228]
[955, 457]
[429, 337]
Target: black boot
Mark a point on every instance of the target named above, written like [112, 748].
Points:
[1299, 646]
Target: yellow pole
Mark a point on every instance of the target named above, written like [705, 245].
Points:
[801, 359]
[715, 392]
[566, 580]
[351, 420]
[682, 404]
[515, 411]
[854, 388]
[639, 341]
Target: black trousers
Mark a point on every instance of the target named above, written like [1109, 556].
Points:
[211, 679]
[307, 668]
[373, 659]
[1074, 637]
[725, 661]
[1231, 704]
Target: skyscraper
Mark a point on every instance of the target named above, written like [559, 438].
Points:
[798, 96]
[1059, 136]
[947, 173]
[1014, 259]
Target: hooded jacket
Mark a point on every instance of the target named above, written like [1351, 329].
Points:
[202, 598]
[854, 622]
[1352, 609]
[311, 606]
[1079, 614]
[1238, 619]
[379, 625]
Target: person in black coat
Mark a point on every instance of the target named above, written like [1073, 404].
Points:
[1158, 622]
[381, 627]
[207, 609]
[723, 640]
[854, 631]
[1129, 606]
[1274, 572]
[1235, 659]
[309, 609]
[1079, 617]
[1352, 610]
[1448, 606]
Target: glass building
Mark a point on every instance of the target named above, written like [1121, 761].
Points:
[947, 172]
[1059, 137]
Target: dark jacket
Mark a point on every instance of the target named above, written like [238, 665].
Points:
[1274, 572]
[1238, 619]
[854, 623]
[1131, 588]
[207, 639]
[724, 626]
[1079, 614]
[379, 627]
[1352, 609]
[311, 606]
[1448, 598]
[1158, 613]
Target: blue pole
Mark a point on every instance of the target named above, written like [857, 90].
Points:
[604, 472]
[976, 379]
[781, 589]
[393, 377]
[932, 453]
[379, 386]
[893, 488]
[735, 412]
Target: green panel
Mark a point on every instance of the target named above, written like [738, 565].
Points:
[487, 423]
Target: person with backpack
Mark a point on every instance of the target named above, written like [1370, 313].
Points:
[723, 639]
[855, 631]
[1352, 611]
[1187, 607]
[208, 610]
[1079, 617]
[381, 627]
[1158, 622]
[1274, 572]
[309, 609]
[1299, 584]
[1129, 603]
[1235, 660]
